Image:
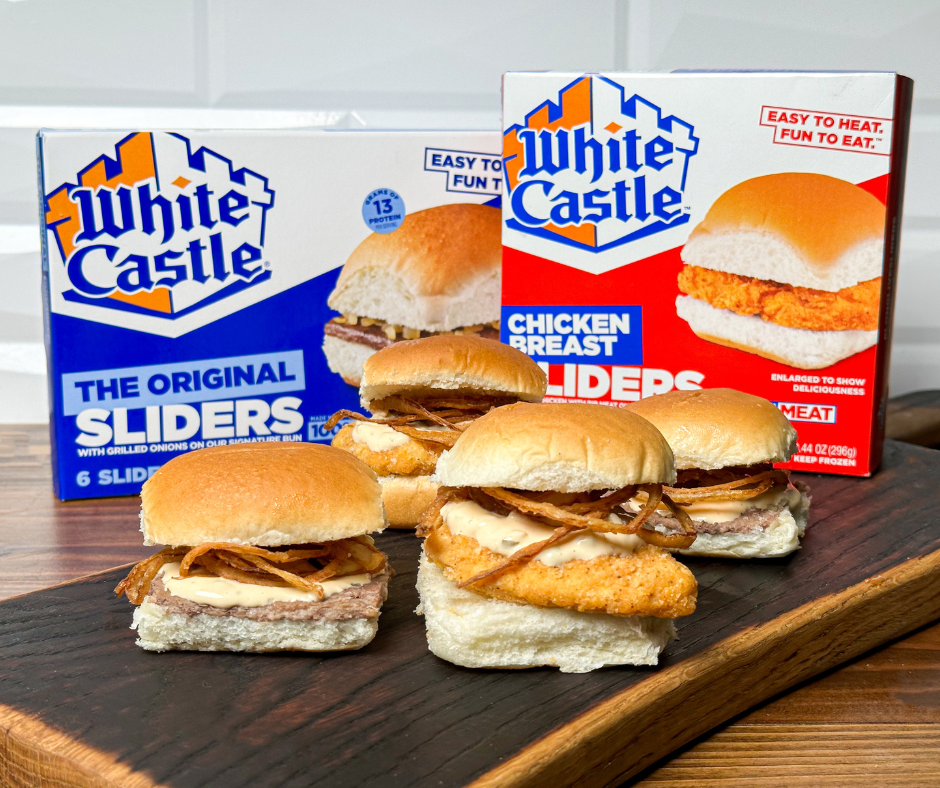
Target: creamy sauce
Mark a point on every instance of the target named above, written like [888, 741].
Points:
[717, 511]
[378, 437]
[381, 437]
[429, 426]
[507, 534]
[224, 593]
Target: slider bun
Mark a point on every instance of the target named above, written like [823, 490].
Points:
[802, 348]
[718, 428]
[160, 630]
[346, 358]
[451, 364]
[264, 494]
[438, 271]
[478, 632]
[796, 228]
[778, 539]
[406, 498]
[561, 447]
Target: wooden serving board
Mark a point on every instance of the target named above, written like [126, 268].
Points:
[81, 705]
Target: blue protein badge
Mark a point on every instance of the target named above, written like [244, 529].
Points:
[383, 211]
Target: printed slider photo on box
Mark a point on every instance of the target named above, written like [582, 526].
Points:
[439, 272]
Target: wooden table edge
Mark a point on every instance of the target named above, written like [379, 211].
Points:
[26, 740]
[29, 747]
[620, 737]
[70, 581]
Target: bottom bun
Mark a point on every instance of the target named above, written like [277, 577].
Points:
[795, 347]
[160, 630]
[406, 498]
[479, 632]
[346, 358]
[780, 538]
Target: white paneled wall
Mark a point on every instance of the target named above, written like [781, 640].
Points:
[411, 64]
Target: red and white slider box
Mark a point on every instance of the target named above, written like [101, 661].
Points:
[710, 229]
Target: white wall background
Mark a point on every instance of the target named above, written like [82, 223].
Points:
[413, 64]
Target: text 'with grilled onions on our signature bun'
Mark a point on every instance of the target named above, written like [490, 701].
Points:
[725, 443]
[423, 393]
[439, 272]
[267, 549]
[787, 266]
[525, 562]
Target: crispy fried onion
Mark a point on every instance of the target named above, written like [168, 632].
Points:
[302, 566]
[739, 489]
[568, 514]
[454, 413]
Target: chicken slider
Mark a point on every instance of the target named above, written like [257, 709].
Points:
[423, 393]
[268, 549]
[525, 562]
[725, 443]
[787, 266]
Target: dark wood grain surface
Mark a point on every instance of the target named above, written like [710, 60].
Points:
[395, 714]
[915, 418]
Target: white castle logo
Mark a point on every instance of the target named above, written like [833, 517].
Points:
[160, 229]
[597, 170]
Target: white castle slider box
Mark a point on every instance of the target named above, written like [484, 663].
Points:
[710, 230]
[203, 288]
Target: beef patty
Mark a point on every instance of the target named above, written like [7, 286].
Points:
[751, 522]
[362, 601]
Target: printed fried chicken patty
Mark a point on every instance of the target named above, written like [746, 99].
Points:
[852, 308]
[647, 583]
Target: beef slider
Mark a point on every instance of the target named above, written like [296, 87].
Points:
[423, 393]
[727, 441]
[268, 548]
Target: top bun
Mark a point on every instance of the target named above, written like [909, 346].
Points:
[796, 228]
[438, 271]
[719, 428]
[263, 494]
[563, 447]
[451, 364]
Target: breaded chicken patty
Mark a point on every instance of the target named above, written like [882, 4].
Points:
[650, 582]
[852, 308]
[413, 458]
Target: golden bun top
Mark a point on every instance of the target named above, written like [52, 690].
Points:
[561, 447]
[820, 216]
[436, 251]
[264, 494]
[452, 364]
[719, 428]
